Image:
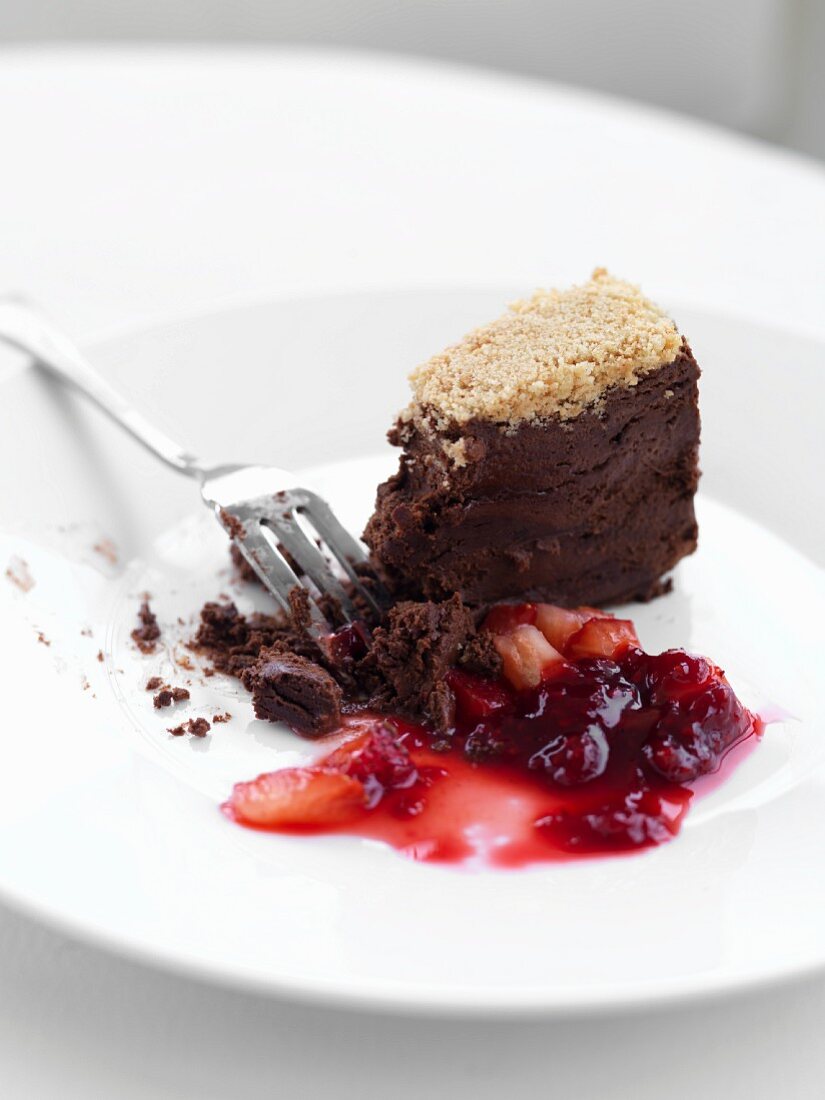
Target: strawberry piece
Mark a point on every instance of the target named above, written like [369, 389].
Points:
[526, 656]
[475, 697]
[558, 624]
[374, 758]
[603, 638]
[675, 676]
[298, 796]
[505, 617]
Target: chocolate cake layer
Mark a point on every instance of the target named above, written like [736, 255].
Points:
[289, 688]
[594, 509]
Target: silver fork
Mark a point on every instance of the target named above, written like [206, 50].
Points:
[260, 507]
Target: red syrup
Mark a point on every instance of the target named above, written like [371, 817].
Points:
[571, 754]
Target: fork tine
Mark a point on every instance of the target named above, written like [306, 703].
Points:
[347, 550]
[309, 557]
[276, 575]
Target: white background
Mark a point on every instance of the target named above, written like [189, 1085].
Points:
[751, 64]
[138, 185]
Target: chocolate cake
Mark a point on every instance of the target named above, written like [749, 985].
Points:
[550, 455]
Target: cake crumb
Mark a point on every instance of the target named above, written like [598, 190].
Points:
[169, 695]
[147, 633]
[551, 355]
[18, 573]
[198, 727]
[294, 689]
[232, 525]
[456, 452]
[107, 550]
[218, 718]
[100, 656]
[153, 683]
[41, 637]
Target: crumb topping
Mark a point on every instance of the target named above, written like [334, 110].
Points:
[456, 452]
[551, 355]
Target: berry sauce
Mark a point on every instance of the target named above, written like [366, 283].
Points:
[583, 754]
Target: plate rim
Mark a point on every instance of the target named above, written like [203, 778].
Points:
[511, 1002]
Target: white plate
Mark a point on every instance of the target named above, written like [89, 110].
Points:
[111, 829]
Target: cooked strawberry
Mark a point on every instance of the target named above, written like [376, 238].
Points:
[298, 796]
[675, 676]
[376, 760]
[526, 655]
[507, 616]
[475, 697]
[349, 642]
[558, 624]
[603, 638]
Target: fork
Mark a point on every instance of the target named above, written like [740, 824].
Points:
[261, 508]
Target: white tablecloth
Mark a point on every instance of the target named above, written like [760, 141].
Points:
[136, 185]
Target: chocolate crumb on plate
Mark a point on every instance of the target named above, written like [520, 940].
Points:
[154, 683]
[19, 575]
[218, 718]
[198, 727]
[107, 550]
[147, 633]
[169, 695]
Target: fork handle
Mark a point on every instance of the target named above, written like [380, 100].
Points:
[23, 327]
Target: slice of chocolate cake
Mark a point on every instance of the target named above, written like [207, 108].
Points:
[550, 455]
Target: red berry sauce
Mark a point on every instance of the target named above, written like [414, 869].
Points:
[599, 757]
